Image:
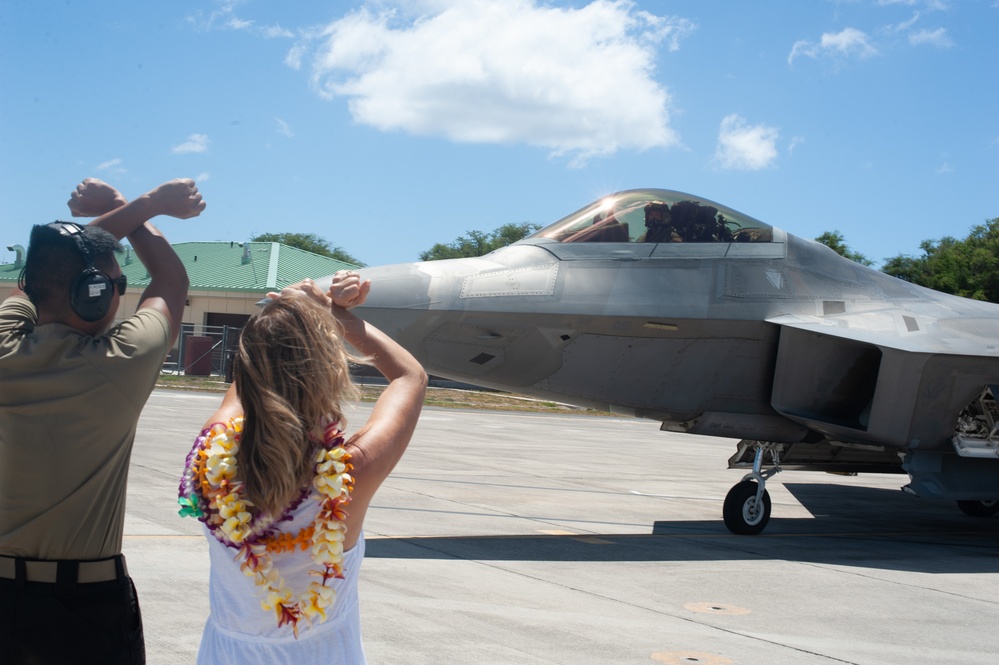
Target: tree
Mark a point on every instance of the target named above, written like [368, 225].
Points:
[968, 267]
[478, 243]
[834, 241]
[309, 242]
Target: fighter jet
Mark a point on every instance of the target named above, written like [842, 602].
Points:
[663, 305]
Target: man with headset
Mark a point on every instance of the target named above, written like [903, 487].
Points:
[73, 385]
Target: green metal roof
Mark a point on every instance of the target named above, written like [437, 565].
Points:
[229, 266]
[9, 272]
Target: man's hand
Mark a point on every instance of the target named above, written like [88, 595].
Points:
[93, 198]
[347, 290]
[178, 198]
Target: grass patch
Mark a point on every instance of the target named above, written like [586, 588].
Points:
[187, 382]
[454, 398]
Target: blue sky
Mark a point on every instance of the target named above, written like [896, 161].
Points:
[388, 126]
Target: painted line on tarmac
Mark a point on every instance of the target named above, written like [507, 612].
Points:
[683, 534]
[217, 396]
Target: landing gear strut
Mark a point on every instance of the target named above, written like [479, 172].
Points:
[747, 506]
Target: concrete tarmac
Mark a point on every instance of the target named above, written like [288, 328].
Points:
[539, 539]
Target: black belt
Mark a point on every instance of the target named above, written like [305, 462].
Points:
[63, 572]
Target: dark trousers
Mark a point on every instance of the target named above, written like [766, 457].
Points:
[65, 623]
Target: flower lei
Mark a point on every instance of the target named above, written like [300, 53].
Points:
[212, 491]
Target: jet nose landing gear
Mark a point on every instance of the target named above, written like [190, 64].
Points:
[747, 509]
[979, 508]
[747, 506]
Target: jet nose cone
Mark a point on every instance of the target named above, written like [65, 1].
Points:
[401, 286]
[409, 301]
[398, 302]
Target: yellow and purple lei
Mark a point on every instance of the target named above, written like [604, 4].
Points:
[212, 491]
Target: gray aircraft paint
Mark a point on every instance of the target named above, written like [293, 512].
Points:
[775, 340]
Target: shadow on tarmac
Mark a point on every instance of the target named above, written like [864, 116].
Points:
[853, 526]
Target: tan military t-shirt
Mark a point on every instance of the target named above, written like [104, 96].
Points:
[69, 404]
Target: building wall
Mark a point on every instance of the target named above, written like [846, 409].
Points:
[222, 302]
[200, 303]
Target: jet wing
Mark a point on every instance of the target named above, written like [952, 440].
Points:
[905, 330]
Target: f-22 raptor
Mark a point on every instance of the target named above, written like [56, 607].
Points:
[663, 305]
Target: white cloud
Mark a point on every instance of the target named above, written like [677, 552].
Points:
[283, 128]
[223, 17]
[933, 5]
[202, 177]
[795, 142]
[235, 23]
[848, 42]
[905, 25]
[945, 166]
[197, 143]
[578, 82]
[295, 55]
[112, 166]
[274, 31]
[938, 38]
[924, 37]
[745, 147]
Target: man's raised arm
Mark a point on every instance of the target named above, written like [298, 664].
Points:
[167, 290]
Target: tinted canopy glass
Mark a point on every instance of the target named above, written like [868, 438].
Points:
[656, 216]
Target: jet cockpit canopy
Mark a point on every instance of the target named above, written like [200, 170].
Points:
[656, 216]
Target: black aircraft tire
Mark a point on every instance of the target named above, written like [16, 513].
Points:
[979, 508]
[736, 511]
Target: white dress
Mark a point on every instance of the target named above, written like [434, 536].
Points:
[240, 632]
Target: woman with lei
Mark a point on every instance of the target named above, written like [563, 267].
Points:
[280, 491]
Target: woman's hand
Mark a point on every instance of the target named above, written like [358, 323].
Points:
[306, 287]
[347, 290]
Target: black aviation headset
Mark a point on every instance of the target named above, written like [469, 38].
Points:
[92, 291]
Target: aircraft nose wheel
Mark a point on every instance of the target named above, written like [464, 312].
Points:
[744, 513]
[746, 510]
[979, 508]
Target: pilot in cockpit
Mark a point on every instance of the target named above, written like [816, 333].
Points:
[659, 224]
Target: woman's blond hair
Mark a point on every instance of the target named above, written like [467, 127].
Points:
[291, 371]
